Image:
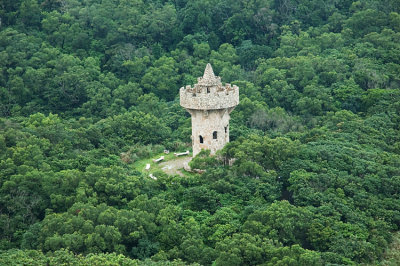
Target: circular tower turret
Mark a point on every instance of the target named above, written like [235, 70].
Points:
[209, 103]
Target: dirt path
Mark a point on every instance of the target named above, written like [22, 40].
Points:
[172, 167]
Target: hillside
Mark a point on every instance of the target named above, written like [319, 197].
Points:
[89, 91]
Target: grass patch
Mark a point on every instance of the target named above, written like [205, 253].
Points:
[140, 165]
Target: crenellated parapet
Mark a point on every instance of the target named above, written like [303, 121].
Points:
[209, 93]
[209, 98]
[210, 104]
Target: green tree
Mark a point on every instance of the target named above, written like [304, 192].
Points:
[162, 79]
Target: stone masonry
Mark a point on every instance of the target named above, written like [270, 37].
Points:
[210, 104]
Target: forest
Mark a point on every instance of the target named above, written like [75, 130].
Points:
[88, 88]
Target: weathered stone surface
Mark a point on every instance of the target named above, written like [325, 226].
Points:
[209, 79]
[210, 104]
[227, 97]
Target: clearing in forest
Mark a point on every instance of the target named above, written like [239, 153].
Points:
[171, 165]
[175, 166]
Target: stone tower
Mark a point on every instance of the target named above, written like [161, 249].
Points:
[210, 104]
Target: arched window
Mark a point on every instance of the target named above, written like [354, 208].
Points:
[201, 139]
[215, 135]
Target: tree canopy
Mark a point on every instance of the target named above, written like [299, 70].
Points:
[89, 88]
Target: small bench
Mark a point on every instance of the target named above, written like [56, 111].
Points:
[182, 153]
[159, 159]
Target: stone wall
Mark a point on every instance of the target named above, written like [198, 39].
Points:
[204, 124]
[217, 97]
[210, 105]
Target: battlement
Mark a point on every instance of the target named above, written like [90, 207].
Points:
[209, 98]
[210, 104]
[208, 93]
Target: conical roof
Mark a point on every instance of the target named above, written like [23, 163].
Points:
[209, 79]
[208, 72]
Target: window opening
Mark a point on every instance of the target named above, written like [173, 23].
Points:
[226, 129]
[208, 90]
[215, 135]
[201, 139]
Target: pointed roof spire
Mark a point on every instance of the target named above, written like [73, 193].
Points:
[209, 79]
[208, 72]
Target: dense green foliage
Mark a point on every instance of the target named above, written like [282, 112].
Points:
[89, 87]
[64, 257]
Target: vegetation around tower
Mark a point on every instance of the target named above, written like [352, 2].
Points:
[89, 91]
